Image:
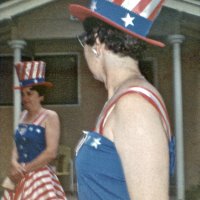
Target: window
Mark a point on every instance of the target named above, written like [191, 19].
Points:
[6, 80]
[61, 70]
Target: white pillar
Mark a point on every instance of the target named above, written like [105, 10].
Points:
[176, 41]
[17, 46]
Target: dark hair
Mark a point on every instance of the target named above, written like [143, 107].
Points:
[41, 89]
[115, 40]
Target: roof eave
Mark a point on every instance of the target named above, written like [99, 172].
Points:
[11, 8]
[187, 6]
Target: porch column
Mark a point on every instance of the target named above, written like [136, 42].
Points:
[17, 46]
[176, 41]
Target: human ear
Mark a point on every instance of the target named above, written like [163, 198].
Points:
[96, 49]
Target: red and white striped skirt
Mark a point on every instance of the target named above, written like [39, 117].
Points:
[41, 184]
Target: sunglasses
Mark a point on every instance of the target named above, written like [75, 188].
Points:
[82, 39]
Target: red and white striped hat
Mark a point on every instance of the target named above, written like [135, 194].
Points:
[31, 73]
[134, 17]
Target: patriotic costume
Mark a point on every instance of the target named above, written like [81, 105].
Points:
[100, 174]
[98, 166]
[41, 184]
[30, 140]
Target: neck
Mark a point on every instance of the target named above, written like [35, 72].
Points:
[120, 73]
[35, 111]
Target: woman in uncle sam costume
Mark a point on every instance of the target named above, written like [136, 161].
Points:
[126, 156]
[36, 141]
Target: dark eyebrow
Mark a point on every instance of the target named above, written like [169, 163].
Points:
[27, 92]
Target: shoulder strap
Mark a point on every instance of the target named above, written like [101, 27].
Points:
[40, 118]
[149, 96]
[23, 115]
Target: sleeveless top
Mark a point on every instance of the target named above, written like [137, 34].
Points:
[30, 138]
[99, 170]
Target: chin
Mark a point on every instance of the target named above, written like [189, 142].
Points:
[98, 78]
[26, 107]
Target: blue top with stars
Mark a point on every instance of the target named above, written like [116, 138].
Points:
[99, 170]
[30, 141]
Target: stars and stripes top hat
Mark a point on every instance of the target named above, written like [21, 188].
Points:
[134, 17]
[31, 73]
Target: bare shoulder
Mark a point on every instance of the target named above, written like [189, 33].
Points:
[136, 105]
[133, 113]
[145, 85]
[134, 102]
[52, 114]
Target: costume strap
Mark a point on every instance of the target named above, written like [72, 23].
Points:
[40, 118]
[150, 97]
[23, 115]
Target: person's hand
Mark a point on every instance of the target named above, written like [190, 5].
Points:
[17, 171]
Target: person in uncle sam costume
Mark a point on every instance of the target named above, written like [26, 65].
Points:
[126, 156]
[36, 140]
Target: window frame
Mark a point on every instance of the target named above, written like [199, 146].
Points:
[78, 74]
[51, 54]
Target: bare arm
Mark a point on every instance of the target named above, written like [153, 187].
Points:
[16, 170]
[142, 145]
[52, 128]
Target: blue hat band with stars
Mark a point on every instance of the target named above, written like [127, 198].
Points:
[122, 17]
[28, 82]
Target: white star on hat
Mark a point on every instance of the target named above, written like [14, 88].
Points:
[96, 142]
[93, 6]
[128, 20]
